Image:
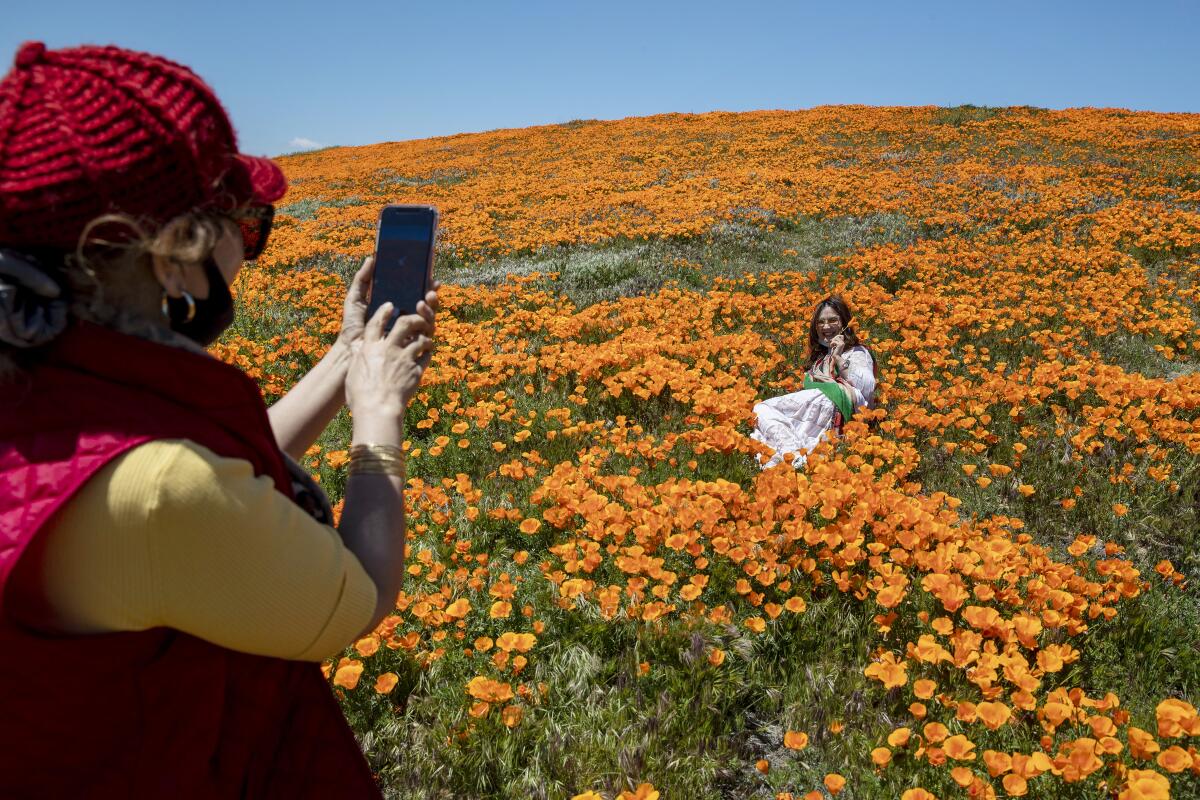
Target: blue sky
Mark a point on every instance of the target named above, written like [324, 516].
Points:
[361, 72]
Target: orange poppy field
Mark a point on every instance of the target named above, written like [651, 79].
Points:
[983, 588]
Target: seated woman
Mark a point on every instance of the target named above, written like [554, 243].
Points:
[839, 377]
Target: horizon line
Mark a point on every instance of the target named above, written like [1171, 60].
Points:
[901, 107]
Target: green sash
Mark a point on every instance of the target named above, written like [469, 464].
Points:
[834, 392]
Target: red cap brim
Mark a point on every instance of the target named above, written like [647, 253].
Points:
[256, 180]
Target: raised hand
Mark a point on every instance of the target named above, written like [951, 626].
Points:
[386, 368]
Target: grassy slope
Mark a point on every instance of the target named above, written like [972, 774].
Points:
[694, 730]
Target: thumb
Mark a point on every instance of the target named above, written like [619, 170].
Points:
[361, 281]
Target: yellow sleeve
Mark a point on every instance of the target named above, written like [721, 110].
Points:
[170, 534]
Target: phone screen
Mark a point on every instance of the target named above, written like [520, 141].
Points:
[402, 258]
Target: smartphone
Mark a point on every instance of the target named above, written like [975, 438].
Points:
[403, 258]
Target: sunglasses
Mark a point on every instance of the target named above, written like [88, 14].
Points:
[255, 225]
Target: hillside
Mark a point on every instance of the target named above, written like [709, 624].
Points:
[986, 586]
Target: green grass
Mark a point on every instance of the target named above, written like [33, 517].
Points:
[957, 116]
[695, 731]
[307, 209]
[732, 250]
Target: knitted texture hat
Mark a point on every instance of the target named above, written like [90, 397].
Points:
[92, 130]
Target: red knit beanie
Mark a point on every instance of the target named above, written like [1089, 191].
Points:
[92, 130]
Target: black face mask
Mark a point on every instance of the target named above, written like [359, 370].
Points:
[213, 314]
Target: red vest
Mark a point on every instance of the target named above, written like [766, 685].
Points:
[155, 713]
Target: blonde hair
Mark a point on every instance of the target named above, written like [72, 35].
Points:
[110, 280]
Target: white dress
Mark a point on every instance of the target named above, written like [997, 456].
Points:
[796, 422]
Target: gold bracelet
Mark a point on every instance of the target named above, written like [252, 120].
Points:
[377, 459]
[374, 457]
[367, 467]
[377, 450]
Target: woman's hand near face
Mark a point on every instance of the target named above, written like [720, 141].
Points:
[837, 345]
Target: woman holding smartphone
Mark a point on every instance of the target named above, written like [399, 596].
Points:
[169, 576]
[840, 375]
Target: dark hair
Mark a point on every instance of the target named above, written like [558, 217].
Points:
[816, 350]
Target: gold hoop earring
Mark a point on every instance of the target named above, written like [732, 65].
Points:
[191, 306]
